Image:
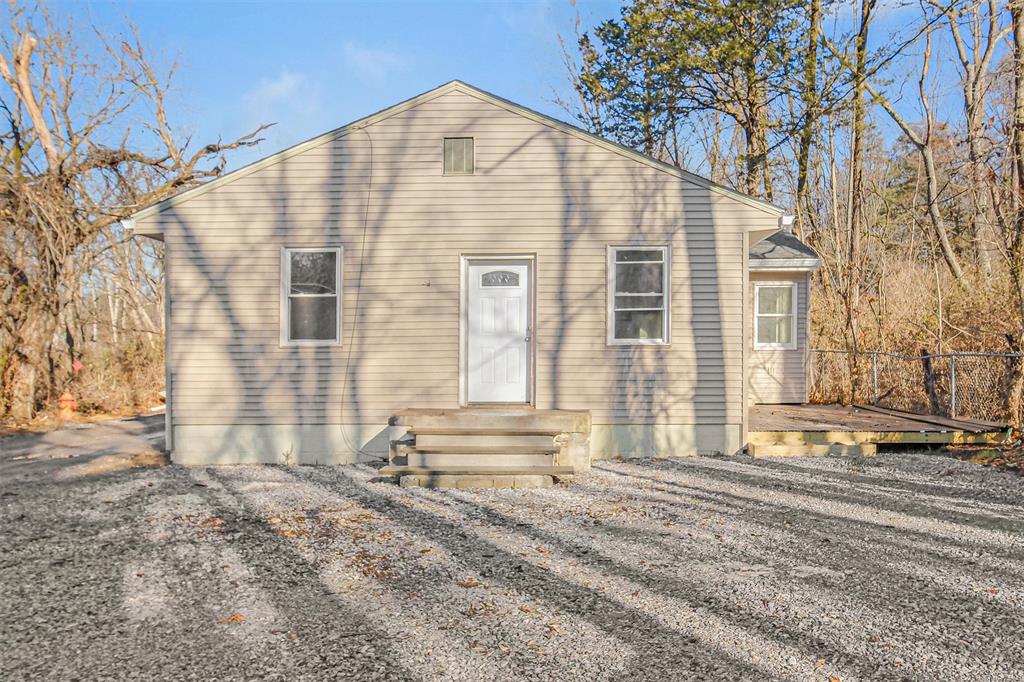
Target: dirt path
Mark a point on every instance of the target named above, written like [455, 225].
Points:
[32, 455]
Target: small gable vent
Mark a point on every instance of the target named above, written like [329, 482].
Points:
[458, 156]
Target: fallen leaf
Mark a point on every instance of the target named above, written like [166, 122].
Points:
[233, 618]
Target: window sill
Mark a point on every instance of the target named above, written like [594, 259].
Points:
[310, 344]
[639, 342]
[774, 346]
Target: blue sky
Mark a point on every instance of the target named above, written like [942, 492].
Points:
[313, 66]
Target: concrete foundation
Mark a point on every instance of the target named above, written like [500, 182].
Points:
[292, 444]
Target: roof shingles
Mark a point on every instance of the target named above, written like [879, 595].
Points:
[781, 245]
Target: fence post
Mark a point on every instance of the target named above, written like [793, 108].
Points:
[952, 385]
[929, 382]
[874, 378]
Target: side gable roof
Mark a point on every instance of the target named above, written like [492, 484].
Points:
[454, 86]
[782, 251]
[781, 245]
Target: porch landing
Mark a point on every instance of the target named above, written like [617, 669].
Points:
[488, 447]
[797, 430]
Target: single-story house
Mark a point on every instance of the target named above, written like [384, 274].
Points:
[458, 250]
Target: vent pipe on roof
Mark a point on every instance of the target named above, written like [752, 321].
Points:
[786, 223]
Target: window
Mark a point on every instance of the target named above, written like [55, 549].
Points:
[638, 294]
[774, 315]
[310, 301]
[500, 278]
[458, 156]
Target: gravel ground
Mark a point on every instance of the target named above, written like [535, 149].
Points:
[898, 567]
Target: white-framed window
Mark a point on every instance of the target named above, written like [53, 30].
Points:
[311, 296]
[458, 156]
[639, 295]
[775, 315]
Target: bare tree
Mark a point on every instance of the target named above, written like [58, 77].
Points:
[71, 166]
[976, 33]
[922, 141]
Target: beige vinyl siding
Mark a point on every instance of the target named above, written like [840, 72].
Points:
[403, 225]
[780, 375]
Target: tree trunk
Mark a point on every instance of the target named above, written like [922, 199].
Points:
[811, 113]
[855, 194]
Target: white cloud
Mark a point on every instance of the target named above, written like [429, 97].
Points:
[290, 90]
[291, 100]
[374, 65]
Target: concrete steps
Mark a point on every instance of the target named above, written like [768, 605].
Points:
[522, 443]
[500, 445]
[481, 471]
[468, 459]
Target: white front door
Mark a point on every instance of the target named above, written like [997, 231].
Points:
[498, 339]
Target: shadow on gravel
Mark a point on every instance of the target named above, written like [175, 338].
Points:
[881, 583]
[328, 633]
[877, 484]
[660, 648]
[842, 532]
[913, 509]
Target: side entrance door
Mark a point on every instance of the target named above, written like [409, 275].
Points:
[499, 314]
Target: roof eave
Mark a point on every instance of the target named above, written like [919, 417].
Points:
[134, 230]
[784, 264]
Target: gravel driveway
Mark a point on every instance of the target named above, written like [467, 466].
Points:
[898, 567]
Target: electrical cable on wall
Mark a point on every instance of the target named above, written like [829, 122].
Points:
[355, 308]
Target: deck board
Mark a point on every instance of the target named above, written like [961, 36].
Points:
[851, 418]
[774, 429]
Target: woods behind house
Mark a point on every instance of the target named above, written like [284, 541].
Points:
[894, 131]
[897, 143]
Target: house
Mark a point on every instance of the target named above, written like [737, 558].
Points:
[458, 250]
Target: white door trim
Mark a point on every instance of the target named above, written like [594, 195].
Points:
[464, 261]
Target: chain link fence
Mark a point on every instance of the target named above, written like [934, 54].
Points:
[971, 385]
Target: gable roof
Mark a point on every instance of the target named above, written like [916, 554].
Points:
[783, 251]
[781, 245]
[465, 88]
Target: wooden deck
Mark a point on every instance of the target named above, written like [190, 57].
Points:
[794, 430]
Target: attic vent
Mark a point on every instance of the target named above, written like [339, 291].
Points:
[458, 156]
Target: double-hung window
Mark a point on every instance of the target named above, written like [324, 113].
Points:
[638, 294]
[775, 315]
[311, 296]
